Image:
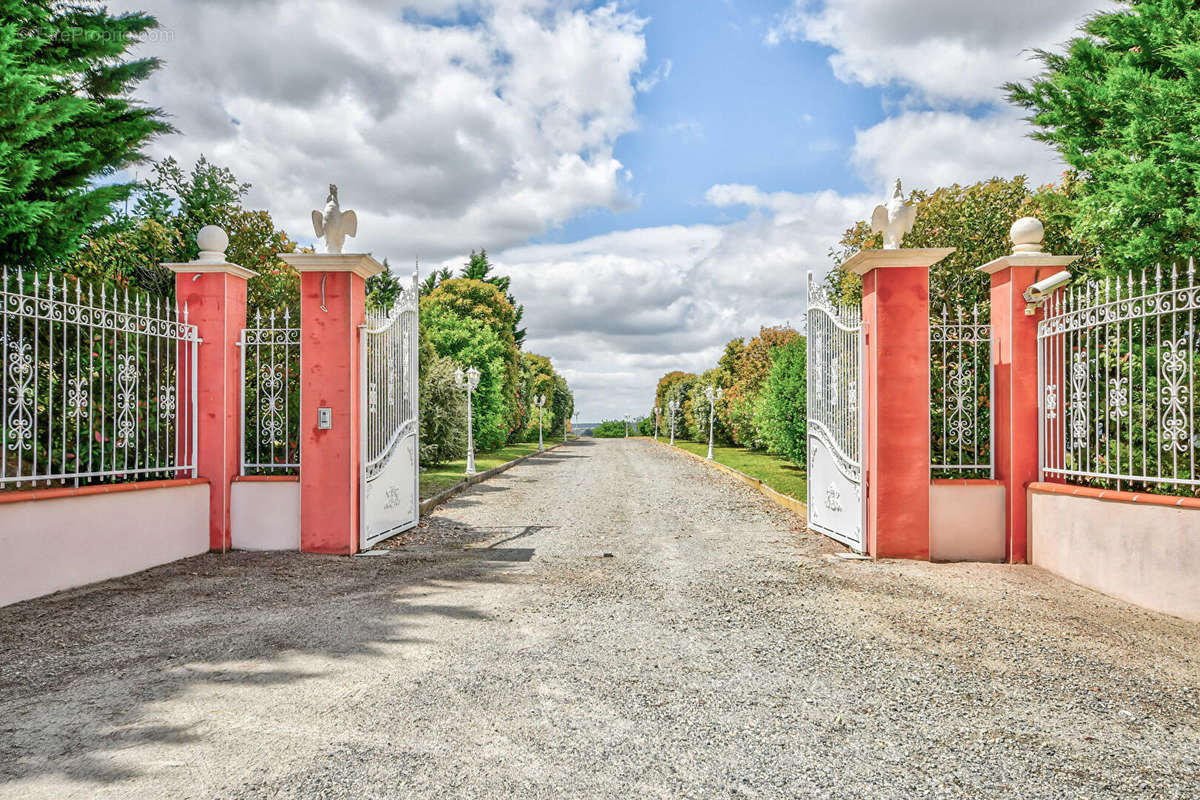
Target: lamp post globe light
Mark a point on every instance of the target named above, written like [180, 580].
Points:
[657, 414]
[539, 402]
[713, 396]
[468, 381]
[672, 408]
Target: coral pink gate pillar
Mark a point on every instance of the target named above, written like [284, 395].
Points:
[1014, 360]
[332, 315]
[896, 396]
[214, 293]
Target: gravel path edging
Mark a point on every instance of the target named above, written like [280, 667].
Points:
[780, 499]
[431, 503]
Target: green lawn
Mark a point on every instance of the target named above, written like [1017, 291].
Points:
[442, 476]
[781, 475]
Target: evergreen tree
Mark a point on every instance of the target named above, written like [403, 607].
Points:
[66, 121]
[1122, 106]
[480, 269]
[435, 279]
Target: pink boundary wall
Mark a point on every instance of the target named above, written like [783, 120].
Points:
[55, 539]
[265, 512]
[966, 520]
[1144, 549]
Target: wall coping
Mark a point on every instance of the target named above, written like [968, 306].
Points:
[56, 493]
[1111, 495]
[266, 478]
[964, 482]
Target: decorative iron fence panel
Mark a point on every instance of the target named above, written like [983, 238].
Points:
[96, 386]
[270, 430]
[1117, 361]
[961, 424]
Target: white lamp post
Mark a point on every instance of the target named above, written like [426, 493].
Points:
[657, 414]
[713, 396]
[626, 426]
[673, 408]
[468, 381]
[539, 402]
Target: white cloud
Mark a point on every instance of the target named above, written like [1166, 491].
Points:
[938, 148]
[949, 50]
[440, 121]
[616, 312]
[660, 74]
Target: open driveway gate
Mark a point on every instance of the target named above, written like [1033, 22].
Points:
[390, 430]
[836, 491]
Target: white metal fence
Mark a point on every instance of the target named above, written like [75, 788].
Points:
[96, 384]
[961, 380]
[270, 429]
[1117, 361]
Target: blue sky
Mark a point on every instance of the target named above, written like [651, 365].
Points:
[731, 110]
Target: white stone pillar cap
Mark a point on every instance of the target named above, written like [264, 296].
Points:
[1027, 235]
[212, 242]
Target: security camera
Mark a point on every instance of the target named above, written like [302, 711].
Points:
[1036, 294]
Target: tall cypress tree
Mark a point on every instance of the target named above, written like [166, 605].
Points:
[1122, 106]
[67, 122]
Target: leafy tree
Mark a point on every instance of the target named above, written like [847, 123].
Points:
[750, 364]
[610, 429]
[675, 386]
[698, 409]
[173, 207]
[478, 268]
[1122, 105]
[781, 409]
[973, 219]
[645, 425]
[537, 377]
[485, 302]
[468, 341]
[187, 200]
[254, 243]
[443, 413]
[129, 253]
[68, 123]
[563, 405]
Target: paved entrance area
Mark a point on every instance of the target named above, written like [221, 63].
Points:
[611, 619]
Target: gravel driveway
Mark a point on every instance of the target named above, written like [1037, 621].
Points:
[498, 651]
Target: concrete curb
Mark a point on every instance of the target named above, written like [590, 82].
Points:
[779, 499]
[431, 503]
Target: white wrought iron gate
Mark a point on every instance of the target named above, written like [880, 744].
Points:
[390, 430]
[836, 491]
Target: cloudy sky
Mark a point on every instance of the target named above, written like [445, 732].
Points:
[657, 176]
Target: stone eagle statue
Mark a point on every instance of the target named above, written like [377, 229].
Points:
[893, 219]
[333, 223]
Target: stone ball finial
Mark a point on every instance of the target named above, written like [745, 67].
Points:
[212, 239]
[1027, 234]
